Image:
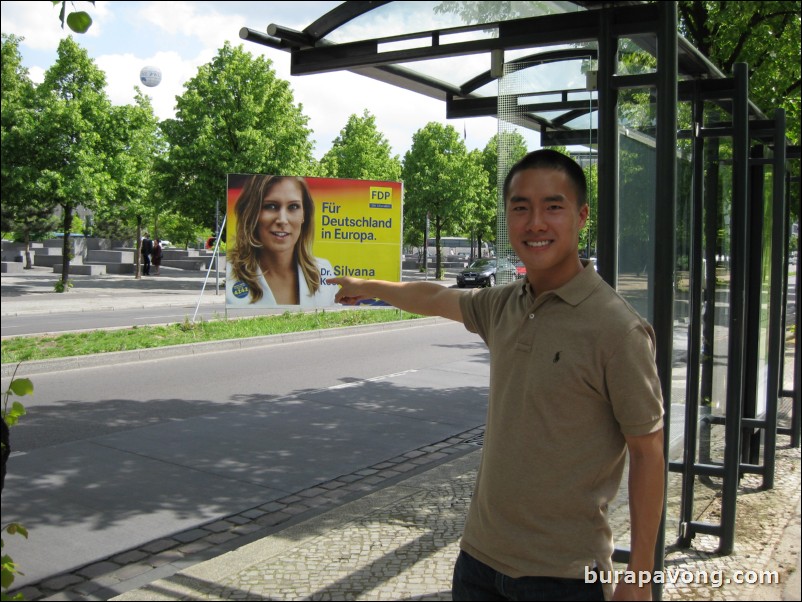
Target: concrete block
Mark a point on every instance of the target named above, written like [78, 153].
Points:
[190, 264]
[119, 268]
[115, 256]
[82, 270]
[11, 267]
[50, 261]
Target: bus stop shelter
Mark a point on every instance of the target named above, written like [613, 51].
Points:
[693, 191]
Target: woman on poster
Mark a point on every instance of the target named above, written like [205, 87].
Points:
[271, 263]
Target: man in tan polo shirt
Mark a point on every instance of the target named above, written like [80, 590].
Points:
[573, 387]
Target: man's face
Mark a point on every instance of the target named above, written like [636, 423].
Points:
[544, 221]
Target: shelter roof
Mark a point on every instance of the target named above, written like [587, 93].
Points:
[456, 52]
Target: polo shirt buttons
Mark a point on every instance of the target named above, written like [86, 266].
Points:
[531, 316]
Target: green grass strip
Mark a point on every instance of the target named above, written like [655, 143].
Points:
[29, 348]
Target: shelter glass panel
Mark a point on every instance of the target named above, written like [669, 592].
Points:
[716, 310]
[633, 59]
[407, 16]
[637, 175]
[684, 303]
[765, 290]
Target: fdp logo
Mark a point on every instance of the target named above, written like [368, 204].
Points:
[382, 195]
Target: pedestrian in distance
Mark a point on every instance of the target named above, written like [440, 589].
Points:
[270, 262]
[145, 250]
[573, 388]
[156, 255]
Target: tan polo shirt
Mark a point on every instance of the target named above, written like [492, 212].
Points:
[571, 373]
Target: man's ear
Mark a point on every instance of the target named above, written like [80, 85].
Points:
[584, 212]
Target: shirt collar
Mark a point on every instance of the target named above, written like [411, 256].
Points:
[575, 290]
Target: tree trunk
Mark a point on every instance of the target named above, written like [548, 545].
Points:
[438, 263]
[66, 255]
[27, 263]
[138, 249]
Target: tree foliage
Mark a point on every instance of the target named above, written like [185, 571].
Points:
[441, 181]
[361, 152]
[489, 12]
[28, 210]
[136, 143]
[235, 116]
[16, 119]
[765, 35]
[70, 135]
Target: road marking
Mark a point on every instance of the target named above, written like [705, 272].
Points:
[366, 380]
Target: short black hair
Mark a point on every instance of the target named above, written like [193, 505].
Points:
[546, 158]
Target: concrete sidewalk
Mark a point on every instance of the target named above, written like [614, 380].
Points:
[390, 531]
[31, 292]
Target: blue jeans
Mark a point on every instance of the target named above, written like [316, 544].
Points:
[475, 581]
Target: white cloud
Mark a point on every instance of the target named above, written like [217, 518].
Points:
[205, 23]
[37, 22]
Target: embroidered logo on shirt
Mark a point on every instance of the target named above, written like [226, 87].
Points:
[556, 357]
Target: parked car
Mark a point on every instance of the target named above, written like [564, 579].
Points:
[520, 269]
[485, 272]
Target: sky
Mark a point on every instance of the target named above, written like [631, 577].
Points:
[178, 37]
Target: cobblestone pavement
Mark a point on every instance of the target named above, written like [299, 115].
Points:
[766, 541]
[400, 544]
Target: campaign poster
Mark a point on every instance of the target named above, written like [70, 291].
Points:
[287, 235]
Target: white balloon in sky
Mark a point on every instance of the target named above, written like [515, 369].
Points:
[150, 76]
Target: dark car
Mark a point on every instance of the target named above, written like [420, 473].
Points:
[485, 272]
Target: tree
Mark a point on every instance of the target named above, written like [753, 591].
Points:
[765, 35]
[23, 211]
[361, 152]
[72, 148]
[137, 143]
[16, 91]
[442, 183]
[235, 116]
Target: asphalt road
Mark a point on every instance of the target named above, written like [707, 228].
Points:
[112, 457]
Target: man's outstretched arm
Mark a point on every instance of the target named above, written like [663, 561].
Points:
[425, 298]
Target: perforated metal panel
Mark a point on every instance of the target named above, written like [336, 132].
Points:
[510, 85]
